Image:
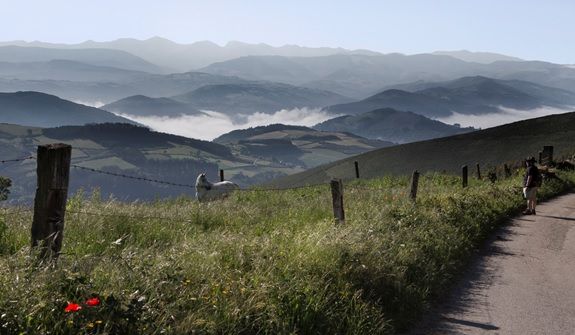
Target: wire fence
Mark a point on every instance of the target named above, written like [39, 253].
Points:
[16, 159]
[121, 175]
[395, 190]
[251, 189]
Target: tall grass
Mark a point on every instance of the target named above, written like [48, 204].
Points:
[257, 262]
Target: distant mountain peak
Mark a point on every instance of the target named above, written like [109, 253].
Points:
[477, 57]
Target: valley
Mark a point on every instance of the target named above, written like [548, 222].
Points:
[286, 167]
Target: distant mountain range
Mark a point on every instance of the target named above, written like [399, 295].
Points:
[361, 75]
[186, 57]
[98, 57]
[468, 95]
[263, 97]
[391, 125]
[103, 85]
[128, 76]
[67, 70]
[43, 110]
[231, 99]
[477, 57]
[55, 68]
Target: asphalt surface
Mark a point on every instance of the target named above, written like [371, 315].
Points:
[522, 282]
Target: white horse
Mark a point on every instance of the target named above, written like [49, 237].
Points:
[206, 191]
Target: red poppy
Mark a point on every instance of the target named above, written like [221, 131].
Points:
[92, 302]
[72, 307]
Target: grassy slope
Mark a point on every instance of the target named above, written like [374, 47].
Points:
[488, 147]
[258, 262]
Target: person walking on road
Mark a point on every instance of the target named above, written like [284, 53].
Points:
[531, 182]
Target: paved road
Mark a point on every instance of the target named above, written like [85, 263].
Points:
[522, 283]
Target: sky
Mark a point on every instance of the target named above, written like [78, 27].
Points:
[529, 29]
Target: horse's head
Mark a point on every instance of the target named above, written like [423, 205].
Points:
[202, 180]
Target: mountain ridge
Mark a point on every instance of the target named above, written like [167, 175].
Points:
[466, 95]
[391, 125]
[45, 110]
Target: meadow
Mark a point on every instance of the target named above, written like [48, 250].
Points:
[259, 262]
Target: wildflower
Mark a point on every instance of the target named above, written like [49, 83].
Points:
[98, 322]
[92, 302]
[72, 307]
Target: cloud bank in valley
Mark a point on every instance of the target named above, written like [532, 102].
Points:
[507, 115]
[214, 124]
[96, 104]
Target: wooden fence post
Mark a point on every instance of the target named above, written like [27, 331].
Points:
[53, 171]
[414, 184]
[478, 172]
[221, 175]
[540, 160]
[337, 198]
[464, 175]
[547, 155]
[356, 169]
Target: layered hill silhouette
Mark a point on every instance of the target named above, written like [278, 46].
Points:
[232, 99]
[99, 57]
[468, 95]
[105, 85]
[263, 97]
[43, 110]
[391, 125]
[477, 57]
[67, 70]
[361, 75]
[140, 105]
[296, 145]
[490, 147]
[186, 57]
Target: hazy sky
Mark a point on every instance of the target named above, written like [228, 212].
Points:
[531, 29]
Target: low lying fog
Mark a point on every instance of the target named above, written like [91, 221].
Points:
[507, 115]
[214, 124]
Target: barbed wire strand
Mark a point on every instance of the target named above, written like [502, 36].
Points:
[132, 177]
[121, 175]
[17, 159]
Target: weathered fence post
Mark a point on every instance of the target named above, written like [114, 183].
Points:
[414, 184]
[356, 169]
[478, 172]
[53, 171]
[540, 160]
[547, 154]
[507, 170]
[464, 175]
[337, 198]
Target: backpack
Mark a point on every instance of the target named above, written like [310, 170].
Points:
[537, 178]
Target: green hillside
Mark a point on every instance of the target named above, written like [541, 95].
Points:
[297, 146]
[137, 151]
[260, 262]
[489, 147]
